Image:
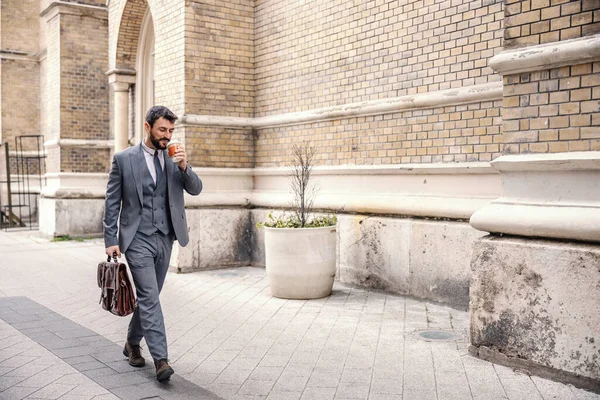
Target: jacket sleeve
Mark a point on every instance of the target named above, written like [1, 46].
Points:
[191, 182]
[112, 204]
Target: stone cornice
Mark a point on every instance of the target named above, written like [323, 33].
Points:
[464, 95]
[8, 55]
[435, 190]
[63, 7]
[547, 56]
[547, 196]
[51, 144]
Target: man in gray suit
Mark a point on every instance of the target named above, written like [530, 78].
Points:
[144, 198]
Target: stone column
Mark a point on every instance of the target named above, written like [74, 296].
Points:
[534, 293]
[75, 117]
[121, 81]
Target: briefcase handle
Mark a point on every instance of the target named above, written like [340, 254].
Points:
[114, 258]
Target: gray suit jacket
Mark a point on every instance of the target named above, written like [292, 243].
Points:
[124, 197]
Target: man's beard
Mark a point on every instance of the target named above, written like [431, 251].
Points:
[158, 144]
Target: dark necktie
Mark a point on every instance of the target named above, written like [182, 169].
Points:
[157, 167]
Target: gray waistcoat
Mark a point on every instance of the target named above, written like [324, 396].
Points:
[155, 213]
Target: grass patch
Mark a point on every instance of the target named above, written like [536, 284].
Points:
[66, 238]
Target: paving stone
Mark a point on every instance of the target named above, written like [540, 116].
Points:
[28, 369]
[52, 391]
[228, 334]
[352, 391]
[16, 393]
[318, 393]
[379, 396]
[386, 386]
[256, 388]
[233, 376]
[426, 394]
[10, 381]
[291, 384]
[274, 395]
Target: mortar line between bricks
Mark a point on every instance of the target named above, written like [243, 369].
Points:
[124, 382]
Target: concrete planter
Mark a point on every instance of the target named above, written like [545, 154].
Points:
[300, 262]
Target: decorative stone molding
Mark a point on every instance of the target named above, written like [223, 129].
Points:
[70, 185]
[547, 56]
[464, 95]
[94, 144]
[435, 190]
[62, 7]
[546, 195]
[5, 55]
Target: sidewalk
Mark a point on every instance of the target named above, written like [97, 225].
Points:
[229, 339]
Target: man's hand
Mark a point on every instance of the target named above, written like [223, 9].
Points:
[112, 250]
[180, 153]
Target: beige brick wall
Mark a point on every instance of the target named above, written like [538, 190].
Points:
[316, 54]
[129, 31]
[20, 100]
[532, 22]
[552, 111]
[84, 160]
[338, 52]
[169, 28]
[219, 58]
[19, 25]
[220, 147]
[447, 134]
[83, 83]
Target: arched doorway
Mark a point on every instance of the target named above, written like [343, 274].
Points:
[132, 74]
[144, 84]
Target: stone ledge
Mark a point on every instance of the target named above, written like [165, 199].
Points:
[463, 95]
[436, 190]
[549, 196]
[547, 56]
[63, 7]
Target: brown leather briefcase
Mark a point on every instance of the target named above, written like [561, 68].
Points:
[118, 294]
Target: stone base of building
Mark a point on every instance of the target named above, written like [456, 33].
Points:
[219, 238]
[73, 217]
[421, 258]
[425, 259]
[535, 303]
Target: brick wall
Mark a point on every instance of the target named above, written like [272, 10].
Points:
[219, 58]
[553, 111]
[169, 62]
[220, 147]
[532, 22]
[316, 54]
[19, 25]
[85, 160]
[83, 83]
[447, 134]
[20, 100]
[353, 52]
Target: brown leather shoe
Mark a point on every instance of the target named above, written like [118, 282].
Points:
[134, 353]
[163, 370]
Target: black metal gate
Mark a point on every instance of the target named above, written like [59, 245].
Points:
[22, 171]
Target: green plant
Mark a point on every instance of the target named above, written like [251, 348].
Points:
[304, 194]
[292, 221]
[66, 238]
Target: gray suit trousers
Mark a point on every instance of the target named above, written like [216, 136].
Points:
[148, 258]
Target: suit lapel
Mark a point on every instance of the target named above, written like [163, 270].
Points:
[138, 162]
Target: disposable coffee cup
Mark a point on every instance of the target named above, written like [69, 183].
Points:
[172, 148]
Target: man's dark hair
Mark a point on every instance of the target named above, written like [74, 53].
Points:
[157, 112]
